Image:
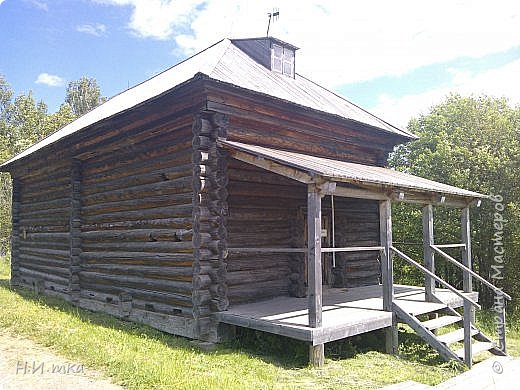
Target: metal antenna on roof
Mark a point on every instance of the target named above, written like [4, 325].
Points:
[272, 15]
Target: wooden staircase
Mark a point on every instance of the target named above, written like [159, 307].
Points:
[443, 316]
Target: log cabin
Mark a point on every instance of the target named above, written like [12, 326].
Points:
[229, 191]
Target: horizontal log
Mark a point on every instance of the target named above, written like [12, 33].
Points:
[53, 253]
[138, 140]
[61, 236]
[47, 220]
[46, 228]
[137, 303]
[55, 270]
[119, 163]
[138, 235]
[139, 246]
[153, 176]
[46, 166]
[249, 174]
[272, 229]
[268, 202]
[150, 296]
[256, 291]
[63, 245]
[236, 262]
[44, 260]
[244, 216]
[243, 112]
[266, 190]
[258, 240]
[142, 166]
[45, 194]
[143, 257]
[140, 282]
[47, 204]
[183, 210]
[244, 251]
[173, 223]
[63, 281]
[257, 276]
[166, 187]
[136, 204]
[59, 178]
[165, 272]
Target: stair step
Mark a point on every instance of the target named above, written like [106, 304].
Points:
[439, 322]
[476, 348]
[456, 335]
[416, 308]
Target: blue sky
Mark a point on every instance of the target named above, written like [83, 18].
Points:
[395, 59]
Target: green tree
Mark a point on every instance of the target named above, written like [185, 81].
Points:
[23, 121]
[83, 95]
[473, 143]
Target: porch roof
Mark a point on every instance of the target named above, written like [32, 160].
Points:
[378, 181]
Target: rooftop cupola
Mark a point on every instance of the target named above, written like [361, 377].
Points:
[275, 54]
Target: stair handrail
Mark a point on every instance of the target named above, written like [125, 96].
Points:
[435, 277]
[497, 290]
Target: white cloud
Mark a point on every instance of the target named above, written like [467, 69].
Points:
[158, 19]
[345, 41]
[342, 41]
[49, 80]
[41, 5]
[96, 29]
[1, 1]
[496, 82]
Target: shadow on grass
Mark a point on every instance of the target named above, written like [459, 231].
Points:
[273, 349]
[414, 349]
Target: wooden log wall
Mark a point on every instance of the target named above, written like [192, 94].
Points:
[356, 224]
[210, 234]
[43, 244]
[15, 239]
[136, 229]
[75, 230]
[263, 211]
[274, 124]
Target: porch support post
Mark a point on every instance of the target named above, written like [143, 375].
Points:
[466, 251]
[466, 257]
[429, 259]
[387, 274]
[316, 352]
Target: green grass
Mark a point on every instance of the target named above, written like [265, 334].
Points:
[142, 358]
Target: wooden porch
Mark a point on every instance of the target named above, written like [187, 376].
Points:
[346, 312]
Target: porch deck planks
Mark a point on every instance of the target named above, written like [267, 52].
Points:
[346, 312]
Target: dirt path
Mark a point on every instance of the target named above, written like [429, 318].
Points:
[26, 365]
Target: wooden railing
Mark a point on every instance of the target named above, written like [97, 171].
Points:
[467, 271]
[467, 303]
